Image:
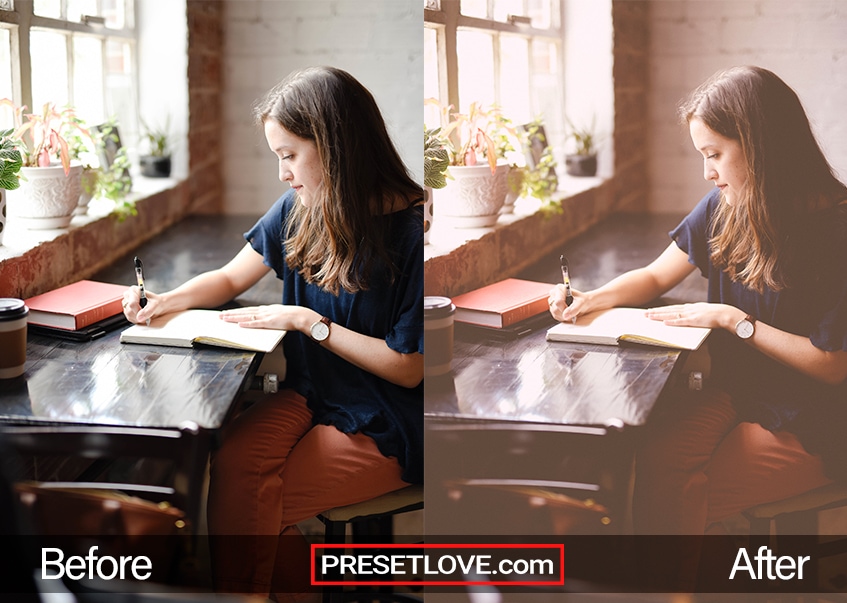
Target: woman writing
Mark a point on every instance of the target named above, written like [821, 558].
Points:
[771, 238]
[346, 242]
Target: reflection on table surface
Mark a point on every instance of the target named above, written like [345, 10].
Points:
[528, 379]
[107, 382]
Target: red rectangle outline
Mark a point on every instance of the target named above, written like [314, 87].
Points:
[559, 582]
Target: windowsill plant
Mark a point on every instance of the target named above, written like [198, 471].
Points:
[157, 162]
[10, 165]
[50, 180]
[476, 187]
[583, 160]
[436, 161]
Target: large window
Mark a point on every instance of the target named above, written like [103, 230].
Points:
[503, 52]
[71, 52]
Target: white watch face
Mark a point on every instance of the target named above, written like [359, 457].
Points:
[744, 329]
[320, 331]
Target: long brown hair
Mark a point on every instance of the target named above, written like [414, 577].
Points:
[339, 240]
[787, 173]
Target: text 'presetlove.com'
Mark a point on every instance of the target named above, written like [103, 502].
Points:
[438, 565]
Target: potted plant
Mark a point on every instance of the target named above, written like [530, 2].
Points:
[10, 165]
[157, 162]
[507, 145]
[436, 161]
[51, 182]
[583, 161]
[539, 179]
[477, 187]
[106, 170]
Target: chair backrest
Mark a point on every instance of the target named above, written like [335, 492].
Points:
[186, 448]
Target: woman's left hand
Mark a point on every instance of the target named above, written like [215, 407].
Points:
[274, 316]
[700, 314]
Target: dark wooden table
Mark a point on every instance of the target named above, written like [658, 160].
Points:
[525, 422]
[109, 383]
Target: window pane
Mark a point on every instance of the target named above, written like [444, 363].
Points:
[504, 8]
[6, 119]
[88, 79]
[514, 78]
[475, 8]
[431, 71]
[77, 8]
[475, 52]
[542, 13]
[49, 54]
[115, 12]
[547, 91]
[48, 8]
[120, 100]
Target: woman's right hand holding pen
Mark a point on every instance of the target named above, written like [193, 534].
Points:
[132, 305]
[559, 308]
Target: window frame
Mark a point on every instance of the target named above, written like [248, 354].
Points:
[444, 16]
[21, 19]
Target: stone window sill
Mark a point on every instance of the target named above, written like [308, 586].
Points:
[19, 240]
[32, 262]
[445, 239]
[457, 260]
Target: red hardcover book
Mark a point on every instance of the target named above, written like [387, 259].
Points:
[502, 304]
[76, 306]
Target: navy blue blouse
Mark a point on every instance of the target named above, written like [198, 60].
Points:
[337, 392]
[813, 305]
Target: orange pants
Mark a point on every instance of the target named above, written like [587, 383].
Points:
[702, 465]
[273, 470]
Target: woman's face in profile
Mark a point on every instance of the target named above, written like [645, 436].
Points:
[299, 163]
[723, 159]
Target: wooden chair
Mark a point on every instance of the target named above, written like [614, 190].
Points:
[371, 518]
[186, 448]
[798, 515]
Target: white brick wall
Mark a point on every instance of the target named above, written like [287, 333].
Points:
[805, 43]
[380, 42]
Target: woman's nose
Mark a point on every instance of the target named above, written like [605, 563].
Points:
[709, 173]
[284, 174]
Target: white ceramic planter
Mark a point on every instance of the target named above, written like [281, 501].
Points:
[473, 197]
[47, 197]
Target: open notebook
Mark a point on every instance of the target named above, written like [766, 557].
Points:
[610, 327]
[183, 329]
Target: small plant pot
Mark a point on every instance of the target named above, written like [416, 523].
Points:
[581, 165]
[47, 197]
[155, 167]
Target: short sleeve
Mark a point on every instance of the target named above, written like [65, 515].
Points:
[266, 235]
[692, 234]
[406, 334]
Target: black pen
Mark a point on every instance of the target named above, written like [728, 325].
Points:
[139, 277]
[566, 279]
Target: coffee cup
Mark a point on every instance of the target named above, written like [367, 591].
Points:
[438, 335]
[13, 315]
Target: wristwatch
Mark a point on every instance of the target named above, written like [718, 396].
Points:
[745, 327]
[320, 329]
